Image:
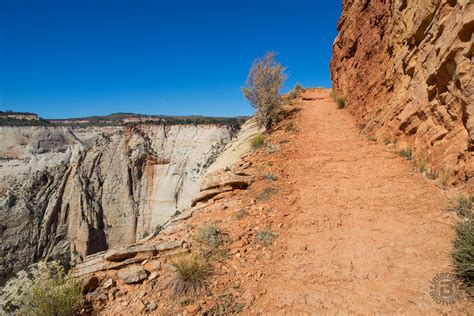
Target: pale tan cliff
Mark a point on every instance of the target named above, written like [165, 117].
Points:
[67, 193]
[405, 69]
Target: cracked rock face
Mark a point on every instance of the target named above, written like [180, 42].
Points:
[405, 69]
[67, 193]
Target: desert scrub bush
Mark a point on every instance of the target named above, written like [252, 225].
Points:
[295, 92]
[291, 128]
[238, 215]
[266, 237]
[211, 235]
[338, 98]
[444, 178]
[463, 254]
[372, 138]
[52, 293]
[265, 194]
[257, 141]
[406, 153]
[388, 141]
[421, 163]
[262, 88]
[190, 276]
[226, 305]
[270, 177]
[158, 229]
[461, 205]
[431, 174]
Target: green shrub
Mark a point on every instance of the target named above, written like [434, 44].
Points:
[54, 293]
[266, 237]
[211, 235]
[464, 254]
[461, 205]
[190, 276]
[372, 138]
[406, 153]
[262, 89]
[257, 141]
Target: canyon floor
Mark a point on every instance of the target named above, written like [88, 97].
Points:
[358, 230]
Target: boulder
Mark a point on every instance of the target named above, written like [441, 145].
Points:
[132, 274]
[126, 252]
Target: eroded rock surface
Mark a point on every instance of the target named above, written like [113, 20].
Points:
[67, 193]
[405, 69]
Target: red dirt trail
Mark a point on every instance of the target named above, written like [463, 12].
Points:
[369, 233]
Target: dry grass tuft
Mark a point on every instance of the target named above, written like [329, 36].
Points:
[190, 277]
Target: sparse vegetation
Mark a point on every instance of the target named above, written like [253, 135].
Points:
[431, 174]
[238, 215]
[262, 88]
[388, 141]
[421, 162]
[190, 276]
[265, 194]
[338, 98]
[257, 141]
[406, 153]
[211, 235]
[54, 293]
[296, 91]
[271, 177]
[372, 138]
[158, 229]
[266, 237]
[291, 128]
[461, 205]
[464, 254]
[226, 305]
[444, 178]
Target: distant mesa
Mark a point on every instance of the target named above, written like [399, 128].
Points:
[10, 118]
[18, 116]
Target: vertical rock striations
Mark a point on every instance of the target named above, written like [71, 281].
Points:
[67, 193]
[405, 69]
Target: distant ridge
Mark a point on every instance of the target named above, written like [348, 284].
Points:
[115, 119]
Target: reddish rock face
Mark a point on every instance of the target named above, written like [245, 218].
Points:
[405, 69]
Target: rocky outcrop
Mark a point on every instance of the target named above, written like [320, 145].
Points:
[405, 69]
[68, 193]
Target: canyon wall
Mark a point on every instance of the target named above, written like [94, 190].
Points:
[405, 70]
[70, 192]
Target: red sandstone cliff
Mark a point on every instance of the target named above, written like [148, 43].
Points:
[405, 69]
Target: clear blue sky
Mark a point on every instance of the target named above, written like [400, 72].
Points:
[69, 58]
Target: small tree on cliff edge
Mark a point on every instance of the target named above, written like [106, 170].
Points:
[262, 88]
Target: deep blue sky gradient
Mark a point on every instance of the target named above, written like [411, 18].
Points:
[75, 58]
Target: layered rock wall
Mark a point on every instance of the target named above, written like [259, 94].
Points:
[68, 193]
[405, 69]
